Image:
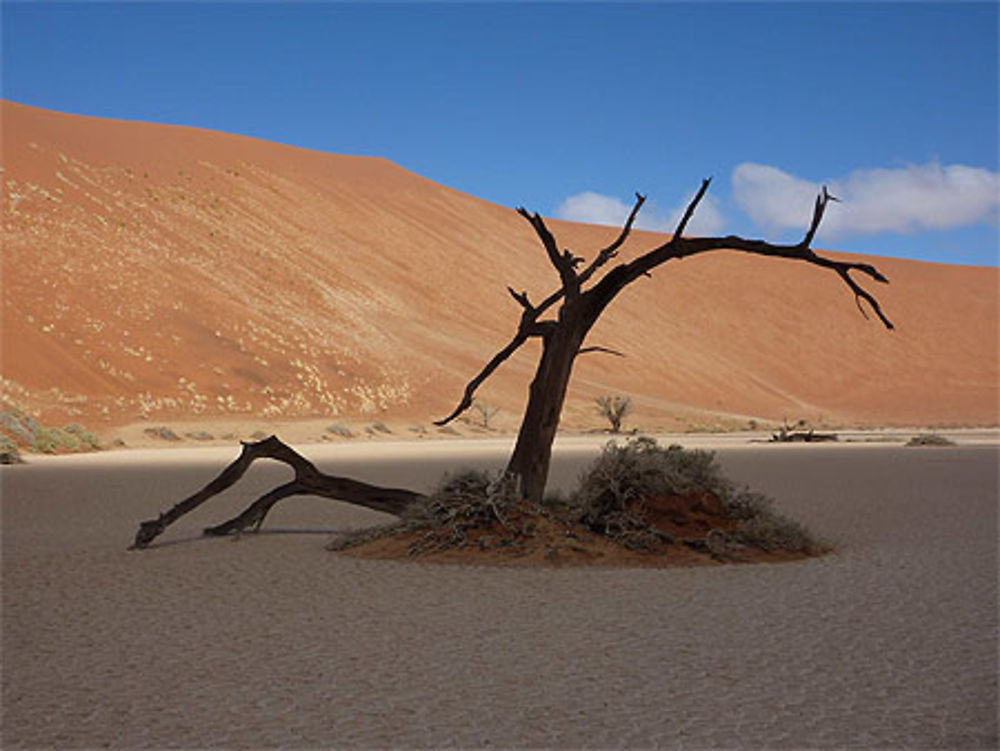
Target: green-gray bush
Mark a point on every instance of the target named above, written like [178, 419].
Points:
[624, 474]
[84, 437]
[338, 429]
[930, 439]
[641, 469]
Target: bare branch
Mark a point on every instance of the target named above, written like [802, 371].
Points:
[564, 263]
[821, 201]
[860, 293]
[605, 350]
[599, 296]
[678, 247]
[255, 513]
[611, 251]
[522, 298]
[692, 206]
[470, 389]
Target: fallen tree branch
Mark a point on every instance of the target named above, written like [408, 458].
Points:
[308, 481]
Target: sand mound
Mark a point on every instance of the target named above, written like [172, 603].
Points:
[692, 529]
[164, 273]
[637, 503]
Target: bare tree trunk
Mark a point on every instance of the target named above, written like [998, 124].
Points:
[532, 453]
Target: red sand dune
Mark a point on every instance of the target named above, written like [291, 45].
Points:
[163, 272]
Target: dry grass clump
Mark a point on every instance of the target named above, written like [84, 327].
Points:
[468, 509]
[930, 439]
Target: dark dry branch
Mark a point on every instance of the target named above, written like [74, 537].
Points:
[689, 212]
[606, 254]
[308, 481]
[498, 359]
[565, 263]
[605, 350]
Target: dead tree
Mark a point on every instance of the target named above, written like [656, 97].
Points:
[486, 413]
[580, 299]
[614, 409]
[579, 306]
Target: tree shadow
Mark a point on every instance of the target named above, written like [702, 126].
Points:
[246, 534]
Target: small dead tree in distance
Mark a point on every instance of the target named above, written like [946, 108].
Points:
[562, 336]
[614, 409]
[486, 412]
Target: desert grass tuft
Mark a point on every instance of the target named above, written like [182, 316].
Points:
[930, 439]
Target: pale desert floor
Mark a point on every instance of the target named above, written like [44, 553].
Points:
[270, 640]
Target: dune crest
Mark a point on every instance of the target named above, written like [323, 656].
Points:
[160, 272]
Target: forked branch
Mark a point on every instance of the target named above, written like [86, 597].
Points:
[683, 247]
[565, 263]
[820, 208]
[606, 254]
[308, 481]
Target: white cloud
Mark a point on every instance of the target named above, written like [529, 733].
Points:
[595, 208]
[909, 199]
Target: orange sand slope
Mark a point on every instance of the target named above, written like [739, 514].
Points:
[174, 273]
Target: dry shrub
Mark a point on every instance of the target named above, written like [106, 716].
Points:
[467, 508]
[613, 491]
[614, 409]
[930, 439]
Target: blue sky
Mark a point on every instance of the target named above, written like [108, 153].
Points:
[567, 108]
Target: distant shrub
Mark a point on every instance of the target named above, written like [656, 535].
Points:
[19, 429]
[486, 412]
[12, 421]
[930, 439]
[162, 432]
[54, 440]
[84, 437]
[338, 429]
